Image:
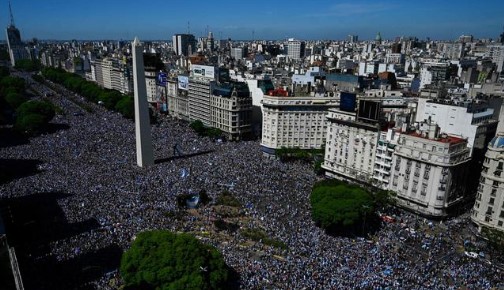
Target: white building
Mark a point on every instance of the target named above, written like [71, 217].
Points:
[308, 78]
[150, 82]
[225, 106]
[429, 171]
[465, 120]
[295, 122]
[496, 53]
[488, 210]
[433, 73]
[295, 49]
[350, 148]
[111, 73]
[383, 159]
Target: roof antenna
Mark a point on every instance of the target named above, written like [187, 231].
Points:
[188, 28]
[11, 16]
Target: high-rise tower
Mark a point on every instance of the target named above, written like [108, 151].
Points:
[184, 44]
[16, 48]
[145, 156]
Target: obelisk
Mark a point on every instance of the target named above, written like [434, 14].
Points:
[145, 156]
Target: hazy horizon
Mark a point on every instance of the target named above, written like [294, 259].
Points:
[259, 20]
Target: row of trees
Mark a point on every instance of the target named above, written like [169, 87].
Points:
[315, 156]
[29, 116]
[201, 130]
[111, 99]
[28, 65]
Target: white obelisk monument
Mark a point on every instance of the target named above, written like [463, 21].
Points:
[145, 156]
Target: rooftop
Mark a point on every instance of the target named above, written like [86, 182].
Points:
[442, 138]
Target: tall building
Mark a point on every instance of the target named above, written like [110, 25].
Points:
[488, 210]
[496, 54]
[238, 52]
[184, 44]
[465, 120]
[353, 38]
[350, 148]
[145, 155]
[216, 101]
[112, 73]
[16, 47]
[177, 96]
[295, 49]
[433, 74]
[295, 121]
[430, 170]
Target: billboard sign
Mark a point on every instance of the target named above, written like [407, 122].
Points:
[161, 79]
[203, 71]
[347, 101]
[183, 83]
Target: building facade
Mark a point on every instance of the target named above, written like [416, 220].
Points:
[429, 171]
[488, 210]
[295, 122]
[295, 49]
[112, 73]
[184, 44]
[350, 148]
[231, 110]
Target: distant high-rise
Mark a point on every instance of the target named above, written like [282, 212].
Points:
[184, 44]
[16, 48]
[238, 52]
[295, 49]
[353, 38]
[502, 37]
[145, 156]
[378, 38]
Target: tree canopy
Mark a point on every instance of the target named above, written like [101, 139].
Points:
[201, 130]
[33, 116]
[341, 207]
[165, 260]
[27, 64]
[111, 99]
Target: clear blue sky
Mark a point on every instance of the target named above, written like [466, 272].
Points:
[273, 19]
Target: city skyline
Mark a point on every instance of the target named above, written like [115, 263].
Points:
[320, 19]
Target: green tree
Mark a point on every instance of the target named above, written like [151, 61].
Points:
[4, 71]
[33, 116]
[165, 260]
[4, 54]
[384, 198]
[126, 106]
[15, 99]
[27, 65]
[198, 127]
[495, 239]
[341, 207]
[15, 83]
[30, 123]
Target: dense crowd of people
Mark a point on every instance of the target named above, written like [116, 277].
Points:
[94, 162]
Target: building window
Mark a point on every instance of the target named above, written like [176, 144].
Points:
[499, 223]
[492, 200]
